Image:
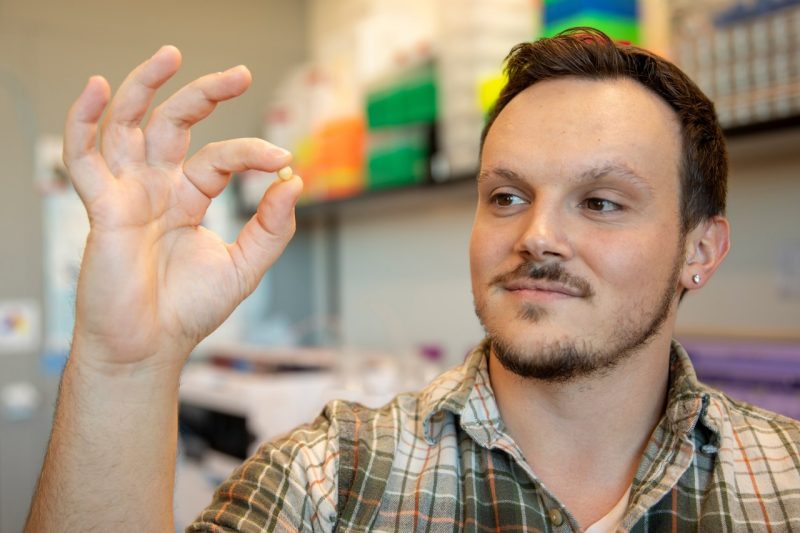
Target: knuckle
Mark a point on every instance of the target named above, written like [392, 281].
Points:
[156, 114]
[177, 118]
[208, 154]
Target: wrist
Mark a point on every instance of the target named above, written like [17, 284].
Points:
[114, 360]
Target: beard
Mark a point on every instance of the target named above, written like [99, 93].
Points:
[564, 361]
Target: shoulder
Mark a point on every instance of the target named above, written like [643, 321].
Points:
[758, 450]
[286, 485]
[302, 480]
[747, 424]
[363, 435]
[293, 483]
[341, 415]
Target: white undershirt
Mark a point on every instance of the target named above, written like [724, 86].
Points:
[610, 522]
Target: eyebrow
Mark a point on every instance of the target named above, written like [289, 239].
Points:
[501, 172]
[612, 168]
[615, 169]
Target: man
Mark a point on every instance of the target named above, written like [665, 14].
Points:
[601, 202]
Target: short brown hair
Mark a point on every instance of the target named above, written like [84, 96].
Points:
[591, 54]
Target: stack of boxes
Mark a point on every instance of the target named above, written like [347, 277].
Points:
[746, 59]
[473, 39]
[401, 114]
[317, 116]
[617, 18]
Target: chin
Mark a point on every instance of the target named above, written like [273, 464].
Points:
[545, 352]
[531, 328]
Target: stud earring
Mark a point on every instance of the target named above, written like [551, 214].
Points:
[696, 279]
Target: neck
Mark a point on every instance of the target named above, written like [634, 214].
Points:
[602, 424]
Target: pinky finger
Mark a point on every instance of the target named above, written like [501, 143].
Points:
[89, 171]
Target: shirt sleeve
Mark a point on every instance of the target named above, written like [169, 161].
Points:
[288, 485]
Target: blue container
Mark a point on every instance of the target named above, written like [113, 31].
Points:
[555, 10]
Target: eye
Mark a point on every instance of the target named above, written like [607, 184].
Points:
[601, 205]
[505, 199]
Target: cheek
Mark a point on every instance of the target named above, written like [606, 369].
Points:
[631, 263]
[477, 257]
[488, 249]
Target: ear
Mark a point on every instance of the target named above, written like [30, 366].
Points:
[706, 247]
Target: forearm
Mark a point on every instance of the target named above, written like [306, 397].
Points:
[110, 463]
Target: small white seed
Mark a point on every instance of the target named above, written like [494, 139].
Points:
[285, 173]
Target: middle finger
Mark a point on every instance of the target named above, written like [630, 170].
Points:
[122, 141]
[167, 135]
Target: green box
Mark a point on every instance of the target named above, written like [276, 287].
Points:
[397, 165]
[618, 28]
[410, 98]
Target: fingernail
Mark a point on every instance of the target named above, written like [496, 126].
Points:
[281, 152]
[164, 47]
[237, 67]
[93, 80]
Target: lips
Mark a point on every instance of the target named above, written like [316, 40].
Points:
[550, 280]
[542, 286]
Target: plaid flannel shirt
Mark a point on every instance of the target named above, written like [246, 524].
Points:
[440, 460]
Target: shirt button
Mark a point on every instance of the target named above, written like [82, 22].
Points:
[556, 518]
[709, 449]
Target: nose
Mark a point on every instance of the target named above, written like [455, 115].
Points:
[544, 235]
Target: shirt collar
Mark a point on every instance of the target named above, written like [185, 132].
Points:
[466, 391]
[688, 398]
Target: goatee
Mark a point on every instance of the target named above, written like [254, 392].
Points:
[564, 361]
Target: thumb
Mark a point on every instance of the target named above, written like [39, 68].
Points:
[264, 237]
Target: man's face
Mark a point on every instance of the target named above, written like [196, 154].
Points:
[576, 246]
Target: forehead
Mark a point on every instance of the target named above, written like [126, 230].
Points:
[568, 126]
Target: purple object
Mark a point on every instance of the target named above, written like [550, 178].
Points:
[766, 374]
[431, 352]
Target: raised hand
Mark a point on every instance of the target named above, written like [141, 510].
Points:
[153, 281]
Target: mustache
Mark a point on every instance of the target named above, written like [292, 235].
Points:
[554, 272]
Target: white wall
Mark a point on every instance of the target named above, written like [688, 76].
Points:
[756, 292]
[404, 272]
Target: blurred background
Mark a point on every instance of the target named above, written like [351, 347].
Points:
[382, 102]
